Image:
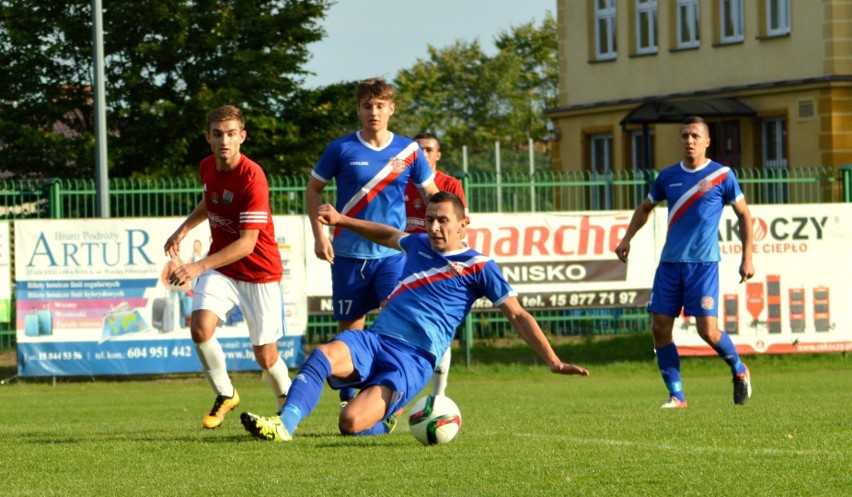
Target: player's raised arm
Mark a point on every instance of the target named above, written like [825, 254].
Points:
[529, 330]
[375, 232]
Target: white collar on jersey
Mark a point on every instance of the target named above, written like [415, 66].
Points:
[688, 170]
[371, 147]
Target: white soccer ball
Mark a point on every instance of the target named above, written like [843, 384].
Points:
[435, 419]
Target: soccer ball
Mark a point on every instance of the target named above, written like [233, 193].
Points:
[435, 419]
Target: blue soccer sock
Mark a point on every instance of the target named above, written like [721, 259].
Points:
[347, 394]
[379, 428]
[668, 361]
[305, 392]
[728, 352]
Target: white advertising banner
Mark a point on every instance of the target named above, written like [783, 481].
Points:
[92, 298]
[798, 300]
[562, 260]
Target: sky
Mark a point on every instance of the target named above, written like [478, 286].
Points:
[367, 38]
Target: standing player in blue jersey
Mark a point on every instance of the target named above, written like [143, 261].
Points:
[687, 278]
[371, 168]
[393, 360]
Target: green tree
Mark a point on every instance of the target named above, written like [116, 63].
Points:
[470, 98]
[167, 63]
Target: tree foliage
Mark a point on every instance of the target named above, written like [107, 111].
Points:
[167, 63]
[469, 98]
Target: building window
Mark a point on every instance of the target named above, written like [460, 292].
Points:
[600, 158]
[731, 21]
[637, 149]
[777, 17]
[687, 23]
[600, 163]
[774, 131]
[604, 29]
[646, 26]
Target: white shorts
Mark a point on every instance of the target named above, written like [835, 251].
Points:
[262, 304]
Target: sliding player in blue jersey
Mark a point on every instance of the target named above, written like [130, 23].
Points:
[371, 168]
[687, 277]
[393, 360]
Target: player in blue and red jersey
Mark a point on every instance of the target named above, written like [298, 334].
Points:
[393, 360]
[371, 168]
[243, 267]
[697, 190]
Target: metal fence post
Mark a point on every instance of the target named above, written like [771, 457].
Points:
[846, 174]
[54, 186]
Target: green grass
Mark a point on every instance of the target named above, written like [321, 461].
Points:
[525, 432]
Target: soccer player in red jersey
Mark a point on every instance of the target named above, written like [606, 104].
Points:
[243, 267]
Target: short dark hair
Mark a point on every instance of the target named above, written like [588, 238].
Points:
[442, 196]
[427, 136]
[226, 113]
[693, 120]
[374, 88]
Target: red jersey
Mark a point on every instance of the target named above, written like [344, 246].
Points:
[239, 200]
[415, 206]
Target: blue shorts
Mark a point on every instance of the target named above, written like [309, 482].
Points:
[386, 361]
[694, 287]
[359, 285]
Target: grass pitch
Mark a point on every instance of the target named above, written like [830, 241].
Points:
[525, 432]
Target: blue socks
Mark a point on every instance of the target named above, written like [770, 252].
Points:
[668, 361]
[728, 352]
[305, 392]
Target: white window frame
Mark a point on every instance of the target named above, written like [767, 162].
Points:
[646, 22]
[605, 20]
[687, 24]
[777, 17]
[731, 21]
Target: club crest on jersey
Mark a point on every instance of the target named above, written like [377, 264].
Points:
[457, 268]
[707, 303]
[705, 185]
[228, 196]
[214, 197]
[418, 204]
[397, 165]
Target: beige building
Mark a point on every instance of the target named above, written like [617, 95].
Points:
[772, 77]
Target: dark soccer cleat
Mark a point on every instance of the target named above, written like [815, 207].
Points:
[742, 387]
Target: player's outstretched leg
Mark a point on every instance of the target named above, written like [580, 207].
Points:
[302, 397]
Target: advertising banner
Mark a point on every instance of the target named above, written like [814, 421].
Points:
[92, 298]
[798, 301]
[562, 260]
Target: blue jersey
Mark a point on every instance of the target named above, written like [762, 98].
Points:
[371, 185]
[435, 293]
[696, 199]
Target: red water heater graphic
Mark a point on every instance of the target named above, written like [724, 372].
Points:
[754, 300]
